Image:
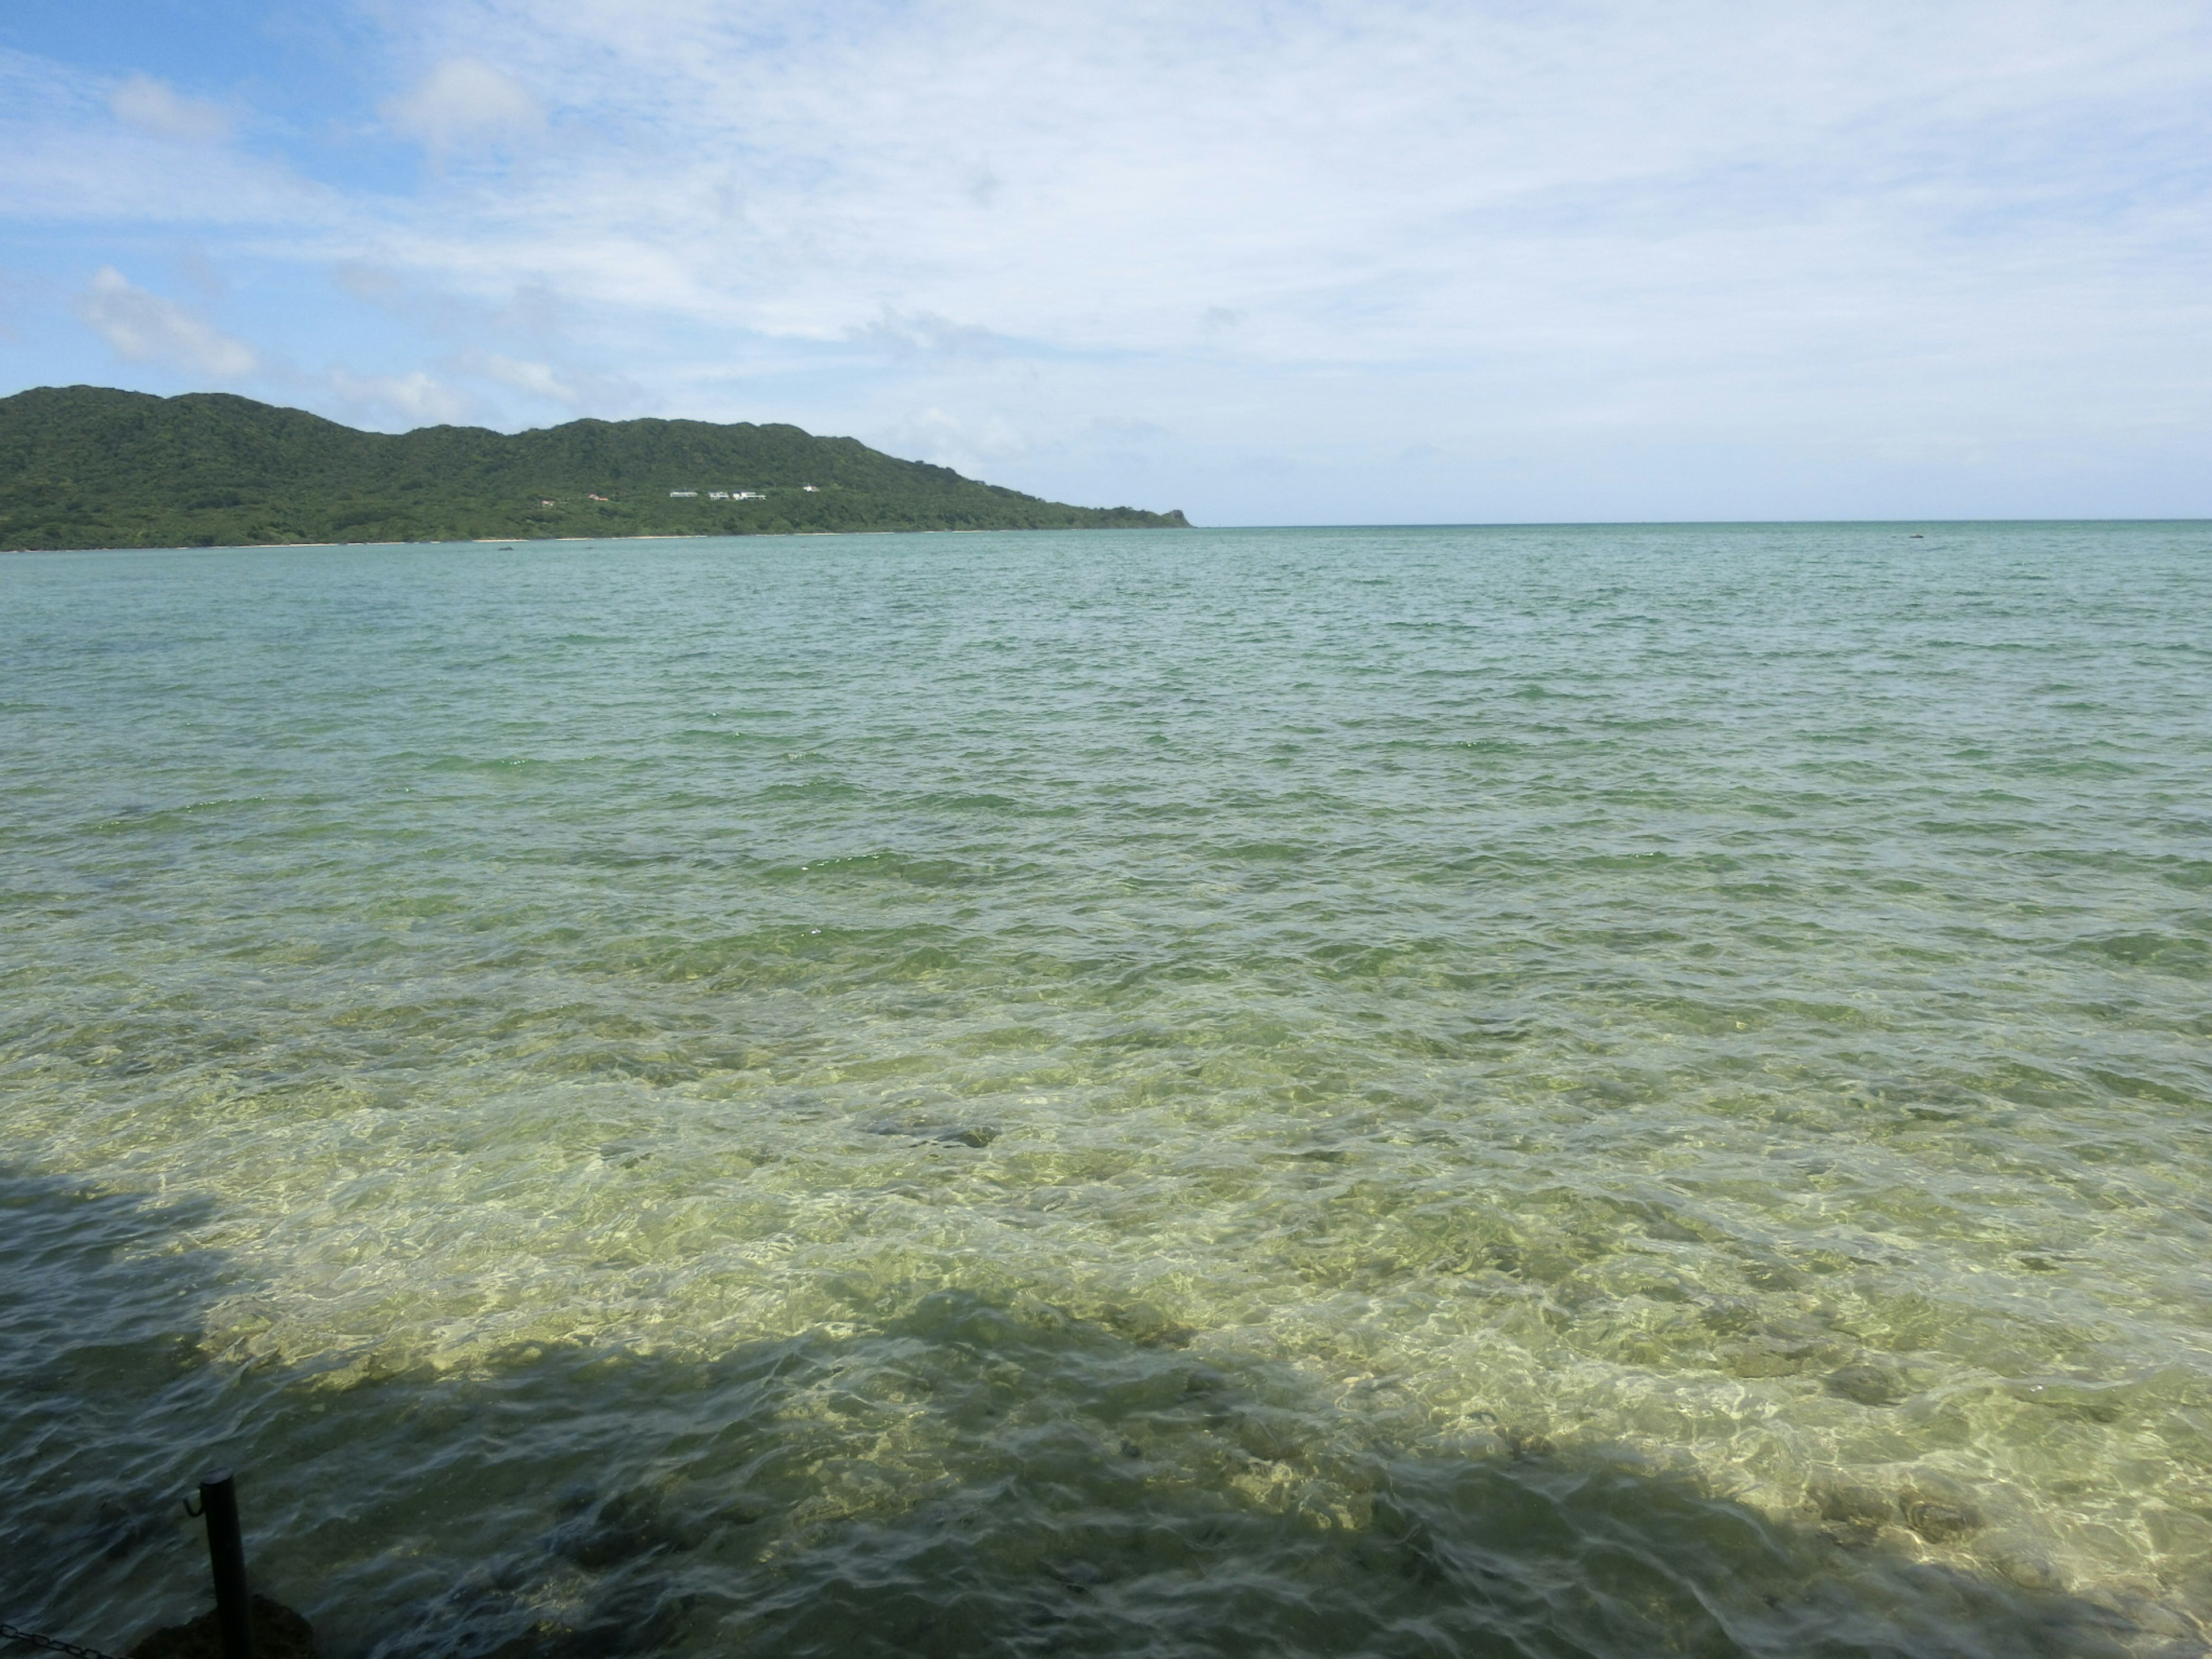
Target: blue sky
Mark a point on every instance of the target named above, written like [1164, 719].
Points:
[1282, 261]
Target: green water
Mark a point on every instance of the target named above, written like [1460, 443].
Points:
[1605, 1091]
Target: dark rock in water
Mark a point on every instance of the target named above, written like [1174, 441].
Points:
[612, 1545]
[1939, 1517]
[2027, 1570]
[1527, 1442]
[950, 1135]
[1869, 1385]
[278, 1633]
[1147, 1326]
[1165, 1336]
[1770, 1276]
[2086, 1402]
[599, 1534]
[1768, 1356]
[1858, 1506]
[1728, 1315]
[1079, 1575]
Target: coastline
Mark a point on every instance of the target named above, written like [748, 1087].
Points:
[520, 541]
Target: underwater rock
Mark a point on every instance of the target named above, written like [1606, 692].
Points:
[1940, 1517]
[1852, 1516]
[948, 1134]
[1859, 1507]
[1527, 1442]
[2085, 1402]
[1728, 1315]
[598, 1535]
[278, 1633]
[1081, 1576]
[2023, 1566]
[1768, 1356]
[1771, 1276]
[1869, 1385]
[1147, 1326]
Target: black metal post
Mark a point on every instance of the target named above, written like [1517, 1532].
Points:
[234, 1610]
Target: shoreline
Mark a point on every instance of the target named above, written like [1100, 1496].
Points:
[657, 536]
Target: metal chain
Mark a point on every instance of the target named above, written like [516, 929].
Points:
[54, 1643]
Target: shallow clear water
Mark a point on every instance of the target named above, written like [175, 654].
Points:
[1615, 1091]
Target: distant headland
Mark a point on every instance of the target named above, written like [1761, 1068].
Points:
[87, 466]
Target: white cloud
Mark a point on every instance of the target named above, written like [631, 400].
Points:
[1356, 182]
[924, 334]
[413, 400]
[966, 445]
[153, 106]
[517, 375]
[145, 328]
[83, 150]
[464, 102]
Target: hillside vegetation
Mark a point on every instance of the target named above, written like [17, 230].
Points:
[85, 466]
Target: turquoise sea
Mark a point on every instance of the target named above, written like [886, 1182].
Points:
[1609, 1092]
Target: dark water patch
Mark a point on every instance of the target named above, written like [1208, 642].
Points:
[1087, 1483]
[979, 802]
[976, 1135]
[902, 867]
[2134, 1086]
[1171, 1507]
[2180, 954]
[1264, 852]
[520, 767]
[769, 957]
[101, 1379]
[1472, 1041]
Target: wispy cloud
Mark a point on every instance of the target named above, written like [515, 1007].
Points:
[970, 444]
[519, 375]
[413, 400]
[151, 105]
[464, 102]
[145, 328]
[120, 156]
[926, 334]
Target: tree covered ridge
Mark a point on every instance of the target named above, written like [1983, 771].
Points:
[87, 466]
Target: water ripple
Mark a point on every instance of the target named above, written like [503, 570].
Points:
[1550, 1092]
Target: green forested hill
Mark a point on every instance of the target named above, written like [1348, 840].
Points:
[84, 466]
